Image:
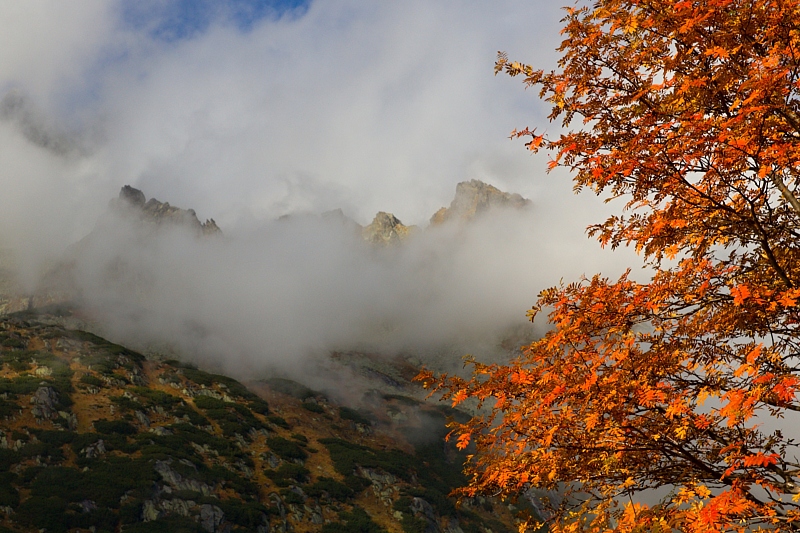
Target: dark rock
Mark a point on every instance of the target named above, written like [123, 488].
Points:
[211, 519]
[132, 201]
[133, 197]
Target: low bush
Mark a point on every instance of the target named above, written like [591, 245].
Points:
[330, 487]
[355, 521]
[286, 449]
[278, 421]
[94, 381]
[351, 414]
[114, 426]
[288, 472]
[313, 407]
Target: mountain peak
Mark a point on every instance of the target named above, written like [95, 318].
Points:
[475, 197]
[386, 229]
[152, 210]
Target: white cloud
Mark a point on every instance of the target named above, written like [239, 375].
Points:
[363, 106]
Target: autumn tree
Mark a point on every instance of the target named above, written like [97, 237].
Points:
[687, 113]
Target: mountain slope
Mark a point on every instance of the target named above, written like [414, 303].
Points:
[95, 437]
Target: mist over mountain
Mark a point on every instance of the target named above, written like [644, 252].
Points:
[152, 275]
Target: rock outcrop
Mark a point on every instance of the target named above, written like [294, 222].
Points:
[133, 200]
[475, 197]
[386, 229]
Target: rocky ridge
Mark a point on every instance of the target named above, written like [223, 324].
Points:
[133, 201]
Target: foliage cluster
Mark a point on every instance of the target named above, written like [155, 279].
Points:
[690, 113]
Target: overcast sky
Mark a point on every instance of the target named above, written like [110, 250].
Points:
[248, 110]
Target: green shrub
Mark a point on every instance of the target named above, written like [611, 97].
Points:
[9, 497]
[411, 524]
[203, 438]
[194, 417]
[114, 426]
[232, 480]
[157, 397]
[290, 497]
[192, 373]
[346, 455]
[291, 388]
[289, 472]
[351, 414]
[207, 402]
[334, 489]
[356, 521]
[108, 346]
[278, 421]
[405, 400]
[248, 515]
[8, 409]
[92, 380]
[20, 385]
[169, 524]
[19, 366]
[286, 449]
[355, 483]
[47, 513]
[14, 342]
[313, 407]
[259, 406]
[126, 404]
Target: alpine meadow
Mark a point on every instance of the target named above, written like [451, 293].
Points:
[668, 405]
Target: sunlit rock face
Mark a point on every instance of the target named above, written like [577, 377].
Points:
[475, 197]
[386, 229]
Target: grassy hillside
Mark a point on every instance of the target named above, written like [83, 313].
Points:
[95, 437]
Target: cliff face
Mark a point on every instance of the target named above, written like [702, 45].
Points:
[94, 436]
[474, 198]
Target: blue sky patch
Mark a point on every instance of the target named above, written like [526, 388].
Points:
[175, 20]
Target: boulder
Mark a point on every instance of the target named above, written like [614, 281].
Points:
[45, 401]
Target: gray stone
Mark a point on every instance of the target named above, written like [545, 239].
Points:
[87, 506]
[178, 506]
[276, 500]
[211, 393]
[273, 460]
[94, 450]
[422, 508]
[211, 518]
[178, 482]
[142, 418]
[45, 400]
